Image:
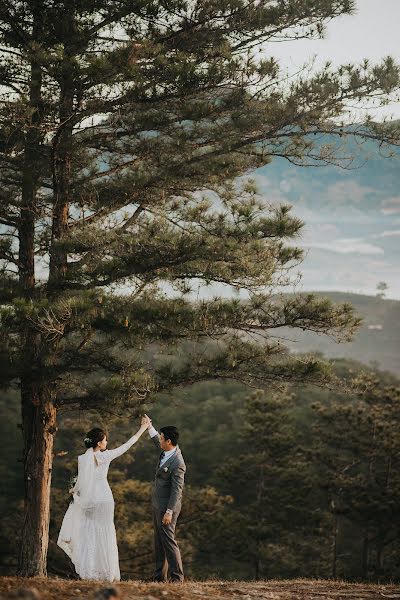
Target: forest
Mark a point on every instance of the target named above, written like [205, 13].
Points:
[301, 481]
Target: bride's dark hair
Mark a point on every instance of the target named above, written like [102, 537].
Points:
[94, 436]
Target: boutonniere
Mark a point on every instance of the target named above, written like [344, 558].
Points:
[165, 469]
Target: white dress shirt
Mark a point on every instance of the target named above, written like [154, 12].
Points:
[167, 453]
[152, 431]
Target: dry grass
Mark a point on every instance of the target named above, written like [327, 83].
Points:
[301, 589]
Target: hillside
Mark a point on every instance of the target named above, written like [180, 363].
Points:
[377, 341]
[54, 589]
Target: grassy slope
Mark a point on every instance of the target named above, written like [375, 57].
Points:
[369, 345]
[51, 589]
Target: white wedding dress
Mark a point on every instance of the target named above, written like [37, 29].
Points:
[87, 533]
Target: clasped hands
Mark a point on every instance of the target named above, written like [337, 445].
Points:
[146, 421]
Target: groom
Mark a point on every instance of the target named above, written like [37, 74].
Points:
[167, 500]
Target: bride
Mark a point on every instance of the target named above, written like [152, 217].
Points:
[87, 533]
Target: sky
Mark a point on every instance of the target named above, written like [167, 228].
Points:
[370, 33]
[373, 33]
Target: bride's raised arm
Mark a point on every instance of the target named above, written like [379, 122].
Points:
[109, 455]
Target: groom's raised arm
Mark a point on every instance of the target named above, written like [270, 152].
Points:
[153, 433]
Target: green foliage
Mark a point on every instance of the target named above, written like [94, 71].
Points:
[118, 119]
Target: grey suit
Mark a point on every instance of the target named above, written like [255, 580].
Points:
[167, 494]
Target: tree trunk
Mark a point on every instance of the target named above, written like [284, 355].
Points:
[38, 411]
[257, 567]
[365, 555]
[334, 546]
[38, 393]
[379, 559]
[61, 157]
[30, 181]
[38, 427]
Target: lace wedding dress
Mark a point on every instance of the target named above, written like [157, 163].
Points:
[87, 533]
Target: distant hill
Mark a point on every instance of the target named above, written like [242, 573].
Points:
[352, 217]
[377, 342]
[374, 173]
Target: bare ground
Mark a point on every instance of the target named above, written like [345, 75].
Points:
[301, 589]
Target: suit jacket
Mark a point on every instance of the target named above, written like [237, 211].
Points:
[169, 480]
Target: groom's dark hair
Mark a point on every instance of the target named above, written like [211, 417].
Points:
[170, 433]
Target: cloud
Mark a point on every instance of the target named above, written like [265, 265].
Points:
[391, 211]
[390, 233]
[347, 246]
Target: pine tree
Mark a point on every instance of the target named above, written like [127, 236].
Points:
[122, 126]
[356, 444]
[272, 482]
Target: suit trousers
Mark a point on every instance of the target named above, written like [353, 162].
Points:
[167, 554]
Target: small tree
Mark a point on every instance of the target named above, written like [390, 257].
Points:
[381, 289]
[116, 116]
